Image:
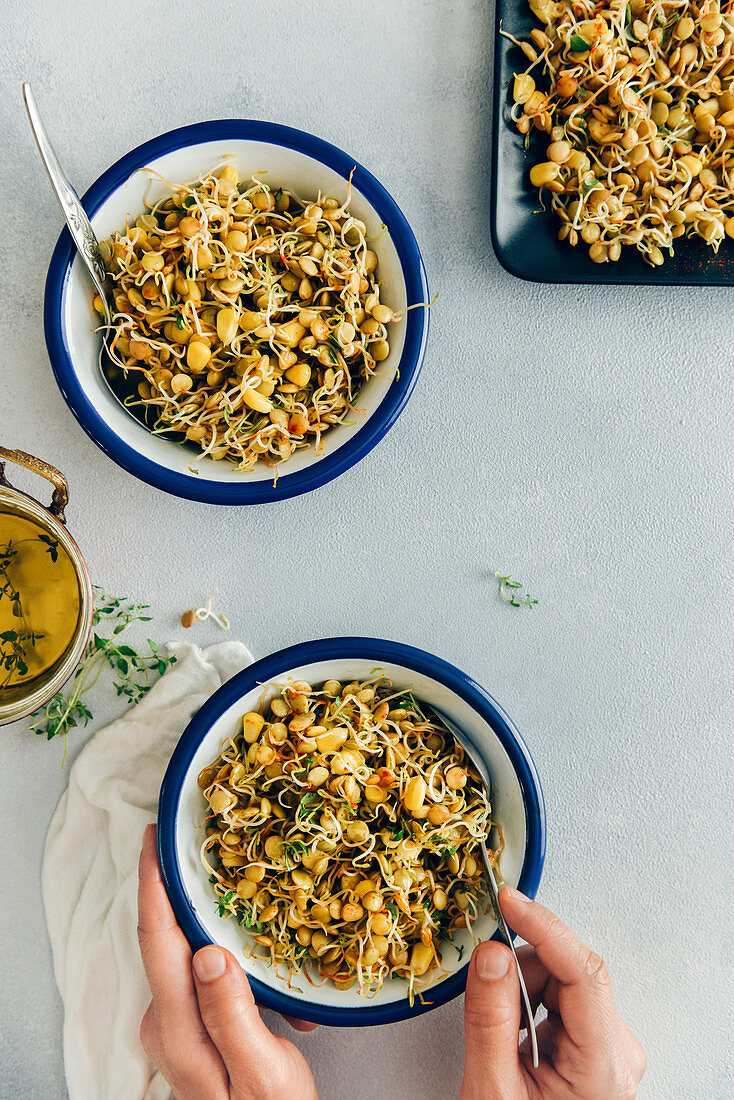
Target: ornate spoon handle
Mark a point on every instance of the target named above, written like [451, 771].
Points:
[481, 767]
[79, 225]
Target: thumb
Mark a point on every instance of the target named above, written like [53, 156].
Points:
[492, 1069]
[229, 1012]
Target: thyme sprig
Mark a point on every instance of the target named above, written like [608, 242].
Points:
[133, 672]
[14, 644]
[14, 652]
[509, 592]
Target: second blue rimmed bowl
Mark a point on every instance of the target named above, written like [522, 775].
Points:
[517, 803]
[297, 161]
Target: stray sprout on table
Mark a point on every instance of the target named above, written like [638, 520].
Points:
[509, 593]
[189, 617]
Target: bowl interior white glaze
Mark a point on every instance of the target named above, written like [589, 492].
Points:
[507, 804]
[277, 165]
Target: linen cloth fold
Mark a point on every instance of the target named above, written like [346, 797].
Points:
[89, 877]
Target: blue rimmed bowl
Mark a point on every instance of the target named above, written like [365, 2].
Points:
[289, 158]
[517, 803]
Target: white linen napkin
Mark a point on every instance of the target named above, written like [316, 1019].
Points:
[89, 877]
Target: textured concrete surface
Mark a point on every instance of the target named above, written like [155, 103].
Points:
[578, 438]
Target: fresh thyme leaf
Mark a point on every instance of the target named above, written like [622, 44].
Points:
[52, 545]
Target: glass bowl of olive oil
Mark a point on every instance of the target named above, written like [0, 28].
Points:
[46, 597]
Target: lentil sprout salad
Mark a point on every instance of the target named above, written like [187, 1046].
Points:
[637, 102]
[252, 317]
[343, 834]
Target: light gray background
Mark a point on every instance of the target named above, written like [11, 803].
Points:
[579, 438]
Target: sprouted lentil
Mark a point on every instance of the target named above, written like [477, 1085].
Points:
[343, 833]
[637, 102]
[202, 613]
[252, 316]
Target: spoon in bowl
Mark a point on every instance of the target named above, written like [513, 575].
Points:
[87, 245]
[494, 889]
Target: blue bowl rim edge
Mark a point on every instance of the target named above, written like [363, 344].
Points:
[269, 668]
[363, 439]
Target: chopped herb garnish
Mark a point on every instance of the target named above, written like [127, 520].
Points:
[508, 592]
[308, 806]
[292, 851]
[224, 901]
[251, 925]
[442, 847]
[578, 44]
[628, 26]
[408, 702]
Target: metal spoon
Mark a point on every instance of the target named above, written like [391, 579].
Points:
[481, 768]
[87, 246]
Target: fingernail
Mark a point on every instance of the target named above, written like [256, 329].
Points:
[511, 892]
[493, 962]
[209, 964]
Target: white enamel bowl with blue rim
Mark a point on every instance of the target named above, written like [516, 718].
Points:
[517, 804]
[305, 165]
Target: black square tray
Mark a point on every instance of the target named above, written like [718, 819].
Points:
[525, 238]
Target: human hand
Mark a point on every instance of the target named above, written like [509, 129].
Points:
[586, 1050]
[202, 1028]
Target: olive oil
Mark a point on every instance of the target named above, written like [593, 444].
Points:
[40, 604]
